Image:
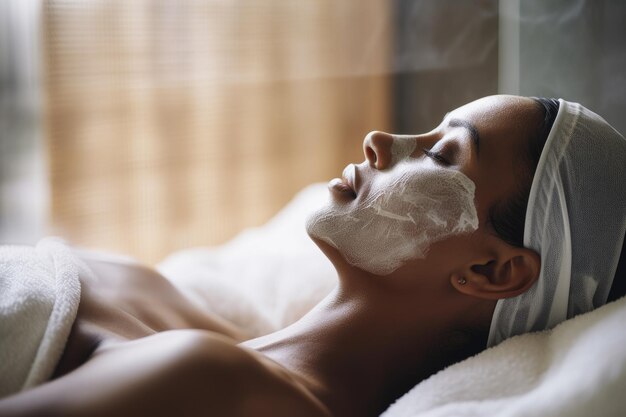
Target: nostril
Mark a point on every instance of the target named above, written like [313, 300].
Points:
[370, 155]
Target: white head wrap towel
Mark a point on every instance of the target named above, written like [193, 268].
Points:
[575, 219]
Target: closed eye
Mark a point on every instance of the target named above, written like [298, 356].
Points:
[435, 156]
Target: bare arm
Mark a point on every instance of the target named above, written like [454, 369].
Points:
[156, 295]
[189, 373]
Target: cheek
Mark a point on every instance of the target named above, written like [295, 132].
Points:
[494, 187]
[448, 253]
[434, 202]
[443, 258]
[407, 211]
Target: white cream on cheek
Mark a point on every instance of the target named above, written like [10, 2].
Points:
[408, 207]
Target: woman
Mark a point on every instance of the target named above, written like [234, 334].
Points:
[463, 265]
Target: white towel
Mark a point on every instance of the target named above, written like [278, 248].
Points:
[39, 297]
[577, 369]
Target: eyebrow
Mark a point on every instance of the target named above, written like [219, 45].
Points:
[472, 130]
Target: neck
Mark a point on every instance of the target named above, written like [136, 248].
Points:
[357, 353]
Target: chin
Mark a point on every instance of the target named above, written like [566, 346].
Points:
[329, 250]
[342, 266]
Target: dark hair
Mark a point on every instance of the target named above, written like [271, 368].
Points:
[507, 217]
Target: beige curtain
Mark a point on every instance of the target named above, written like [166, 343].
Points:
[172, 124]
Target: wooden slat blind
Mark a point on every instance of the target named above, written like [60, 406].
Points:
[172, 124]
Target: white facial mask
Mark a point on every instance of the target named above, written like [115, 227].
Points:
[408, 207]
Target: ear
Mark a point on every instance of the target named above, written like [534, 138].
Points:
[508, 272]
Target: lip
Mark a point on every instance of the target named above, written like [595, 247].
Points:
[340, 187]
[350, 177]
[345, 187]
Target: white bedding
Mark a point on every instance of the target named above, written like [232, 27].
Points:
[577, 369]
[268, 277]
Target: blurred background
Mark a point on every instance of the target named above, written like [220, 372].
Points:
[148, 126]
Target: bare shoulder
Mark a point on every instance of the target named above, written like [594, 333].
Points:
[181, 372]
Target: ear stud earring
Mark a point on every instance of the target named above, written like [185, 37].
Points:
[462, 281]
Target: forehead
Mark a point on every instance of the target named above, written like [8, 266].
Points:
[501, 111]
[505, 125]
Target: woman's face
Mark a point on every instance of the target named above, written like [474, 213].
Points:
[422, 201]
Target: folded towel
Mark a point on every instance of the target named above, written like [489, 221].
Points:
[39, 297]
[577, 369]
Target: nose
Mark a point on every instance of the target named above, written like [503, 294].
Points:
[377, 149]
[382, 150]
